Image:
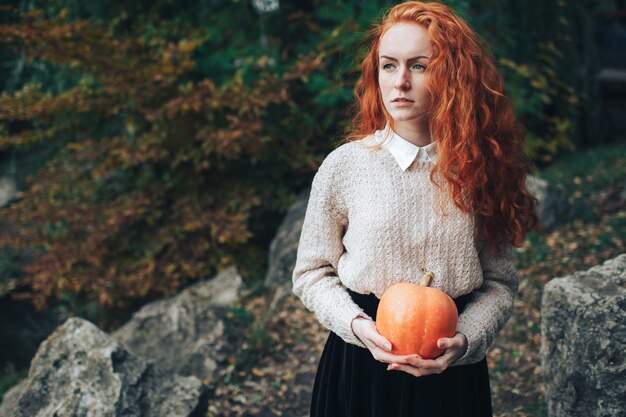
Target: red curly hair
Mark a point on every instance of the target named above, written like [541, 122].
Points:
[479, 140]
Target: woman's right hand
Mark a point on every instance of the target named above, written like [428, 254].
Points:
[377, 344]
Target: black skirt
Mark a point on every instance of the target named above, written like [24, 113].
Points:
[351, 383]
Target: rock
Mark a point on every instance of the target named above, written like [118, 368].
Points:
[553, 208]
[10, 399]
[583, 349]
[81, 371]
[284, 246]
[187, 334]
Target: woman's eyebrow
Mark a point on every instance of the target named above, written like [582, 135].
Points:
[410, 59]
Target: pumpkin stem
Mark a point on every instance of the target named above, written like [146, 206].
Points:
[427, 278]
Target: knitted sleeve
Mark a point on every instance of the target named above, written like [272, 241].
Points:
[315, 279]
[490, 305]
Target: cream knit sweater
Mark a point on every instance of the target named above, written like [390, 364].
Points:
[370, 224]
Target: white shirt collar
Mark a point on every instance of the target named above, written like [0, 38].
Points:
[404, 151]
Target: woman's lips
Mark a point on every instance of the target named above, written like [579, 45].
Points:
[401, 102]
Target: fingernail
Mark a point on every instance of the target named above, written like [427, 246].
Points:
[387, 346]
[440, 344]
[388, 367]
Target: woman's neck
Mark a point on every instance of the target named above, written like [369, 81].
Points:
[417, 134]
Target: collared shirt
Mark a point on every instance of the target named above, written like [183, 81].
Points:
[369, 226]
[404, 151]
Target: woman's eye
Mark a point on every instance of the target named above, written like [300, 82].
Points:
[419, 67]
[387, 66]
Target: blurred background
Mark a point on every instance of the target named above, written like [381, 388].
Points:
[147, 145]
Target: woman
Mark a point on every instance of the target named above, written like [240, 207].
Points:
[430, 178]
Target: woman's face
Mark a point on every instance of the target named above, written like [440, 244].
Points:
[403, 54]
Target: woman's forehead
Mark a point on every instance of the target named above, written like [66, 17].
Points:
[405, 40]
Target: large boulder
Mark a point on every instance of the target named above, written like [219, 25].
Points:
[284, 246]
[553, 208]
[187, 334]
[10, 400]
[583, 349]
[81, 371]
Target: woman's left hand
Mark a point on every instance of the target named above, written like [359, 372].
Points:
[454, 347]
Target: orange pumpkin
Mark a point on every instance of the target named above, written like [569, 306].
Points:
[413, 317]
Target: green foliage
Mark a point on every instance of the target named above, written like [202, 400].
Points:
[175, 135]
[535, 46]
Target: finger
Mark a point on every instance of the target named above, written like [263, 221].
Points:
[444, 343]
[382, 355]
[433, 366]
[453, 353]
[441, 362]
[448, 342]
[412, 359]
[422, 363]
[384, 344]
[387, 357]
[377, 339]
[458, 341]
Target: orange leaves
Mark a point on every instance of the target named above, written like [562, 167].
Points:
[228, 143]
[191, 98]
[157, 173]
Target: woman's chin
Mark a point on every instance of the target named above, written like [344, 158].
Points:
[404, 116]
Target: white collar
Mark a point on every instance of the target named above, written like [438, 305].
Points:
[404, 151]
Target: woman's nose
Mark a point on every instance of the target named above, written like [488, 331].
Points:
[402, 80]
